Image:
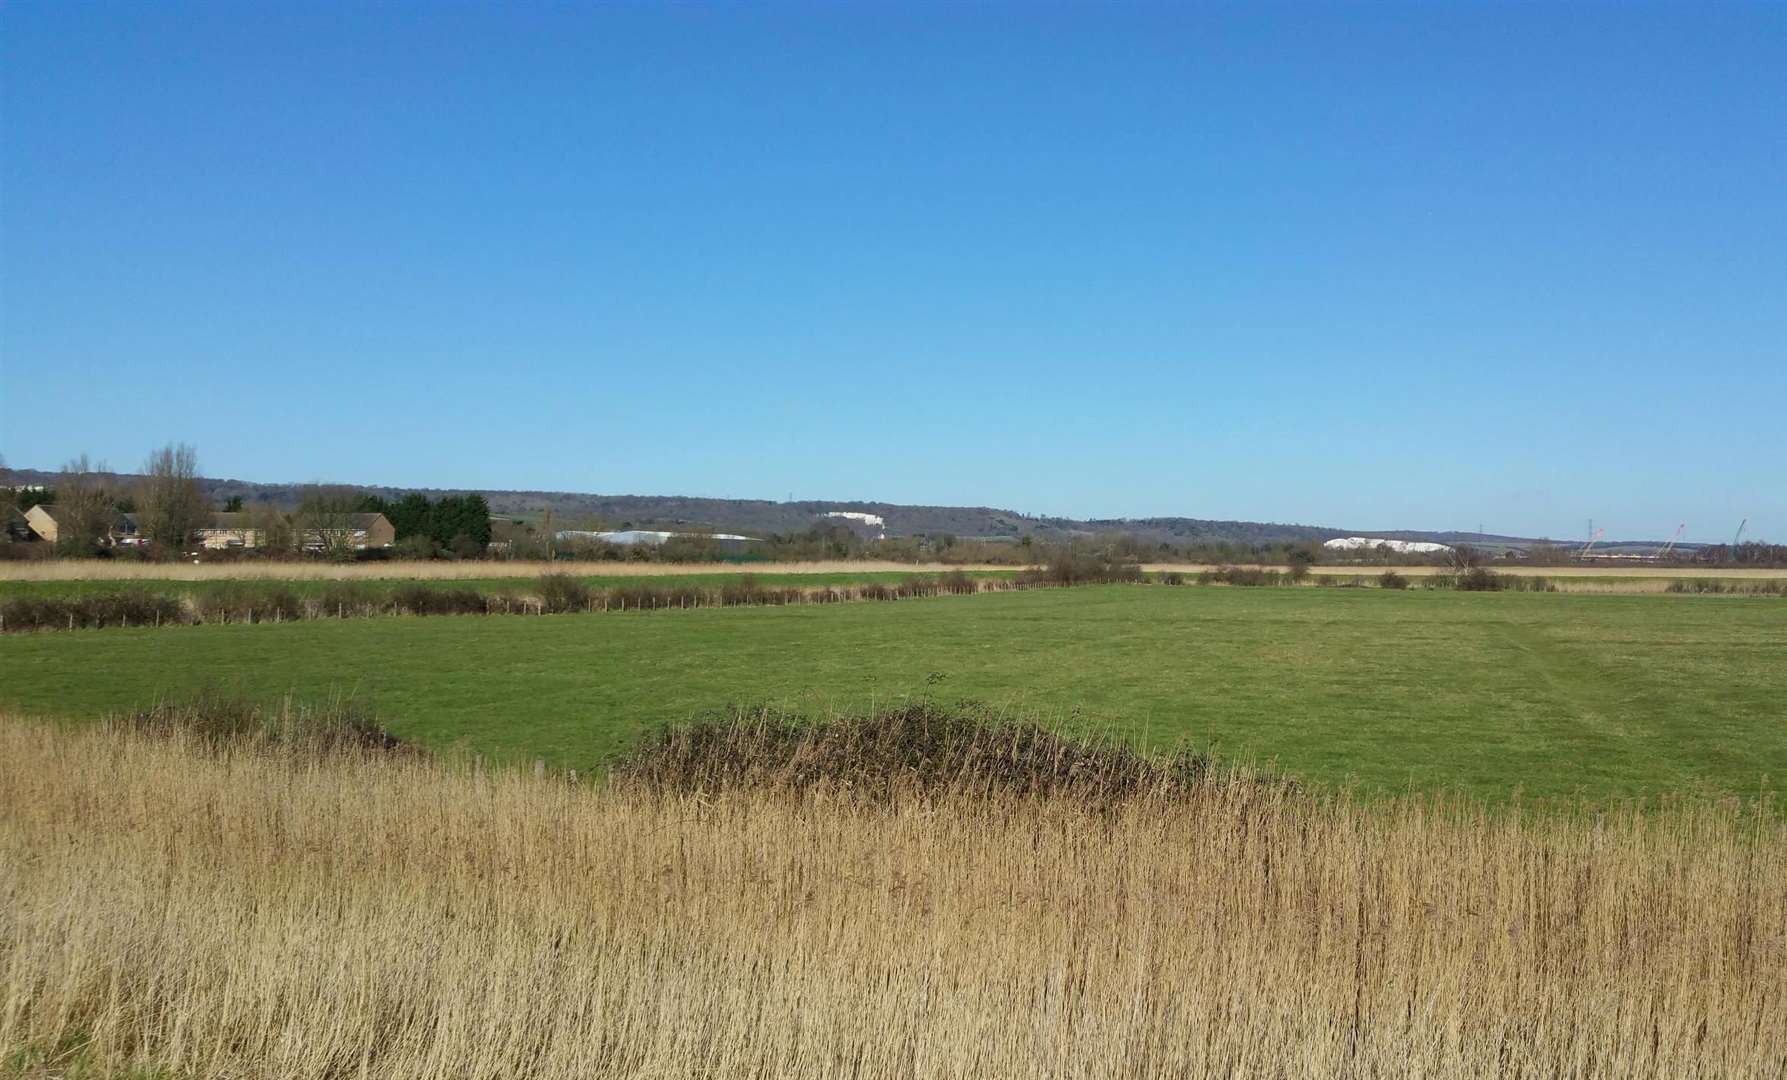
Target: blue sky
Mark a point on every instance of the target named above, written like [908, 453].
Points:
[1372, 266]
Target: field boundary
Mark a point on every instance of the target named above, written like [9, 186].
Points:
[443, 570]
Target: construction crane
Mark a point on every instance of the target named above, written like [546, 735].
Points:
[1583, 554]
[1740, 532]
[1670, 546]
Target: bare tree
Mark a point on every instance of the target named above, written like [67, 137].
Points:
[1465, 557]
[169, 506]
[326, 521]
[83, 507]
[272, 528]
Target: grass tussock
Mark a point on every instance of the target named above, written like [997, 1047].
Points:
[919, 749]
[169, 910]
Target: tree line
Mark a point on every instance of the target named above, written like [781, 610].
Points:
[456, 524]
[167, 506]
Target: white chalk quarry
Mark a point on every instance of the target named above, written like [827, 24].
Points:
[1401, 547]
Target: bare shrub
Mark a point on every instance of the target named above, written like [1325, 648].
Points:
[1479, 579]
[244, 603]
[957, 583]
[918, 748]
[426, 600]
[746, 590]
[218, 721]
[1246, 576]
[1070, 568]
[562, 592]
[345, 599]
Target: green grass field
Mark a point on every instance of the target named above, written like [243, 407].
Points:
[1550, 694]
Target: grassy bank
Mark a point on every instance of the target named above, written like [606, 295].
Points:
[168, 910]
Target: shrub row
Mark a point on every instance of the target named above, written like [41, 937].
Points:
[1076, 569]
[562, 593]
[1251, 576]
[1478, 579]
[556, 593]
[131, 607]
[1736, 588]
[1483, 579]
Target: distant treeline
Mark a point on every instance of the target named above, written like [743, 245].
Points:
[1750, 554]
[171, 499]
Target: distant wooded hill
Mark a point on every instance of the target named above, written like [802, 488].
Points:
[761, 517]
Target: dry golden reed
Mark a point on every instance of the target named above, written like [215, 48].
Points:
[1616, 580]
[266, 913]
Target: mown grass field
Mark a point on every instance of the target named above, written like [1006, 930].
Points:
[1548, 694]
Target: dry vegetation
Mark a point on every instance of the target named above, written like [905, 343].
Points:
[427, 570]
[1612, 573]
[1621, 580]
[262, 910]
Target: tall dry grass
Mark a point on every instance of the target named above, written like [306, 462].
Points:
[427, 570]
[269, 913]
[1610, 580]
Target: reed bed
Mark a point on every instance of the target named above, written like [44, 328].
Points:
[260, 909]
[1622, 575]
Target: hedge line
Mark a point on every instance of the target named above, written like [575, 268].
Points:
[556, 593]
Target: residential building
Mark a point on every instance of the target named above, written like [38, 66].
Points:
[228, 530]
[46, 520]
[355, 532]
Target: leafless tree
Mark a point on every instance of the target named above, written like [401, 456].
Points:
[272, 528]
[326, 521]
[83, 507]
[169, 505]
[1465, 557]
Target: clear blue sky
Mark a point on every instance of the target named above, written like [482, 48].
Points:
[1377, 266]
